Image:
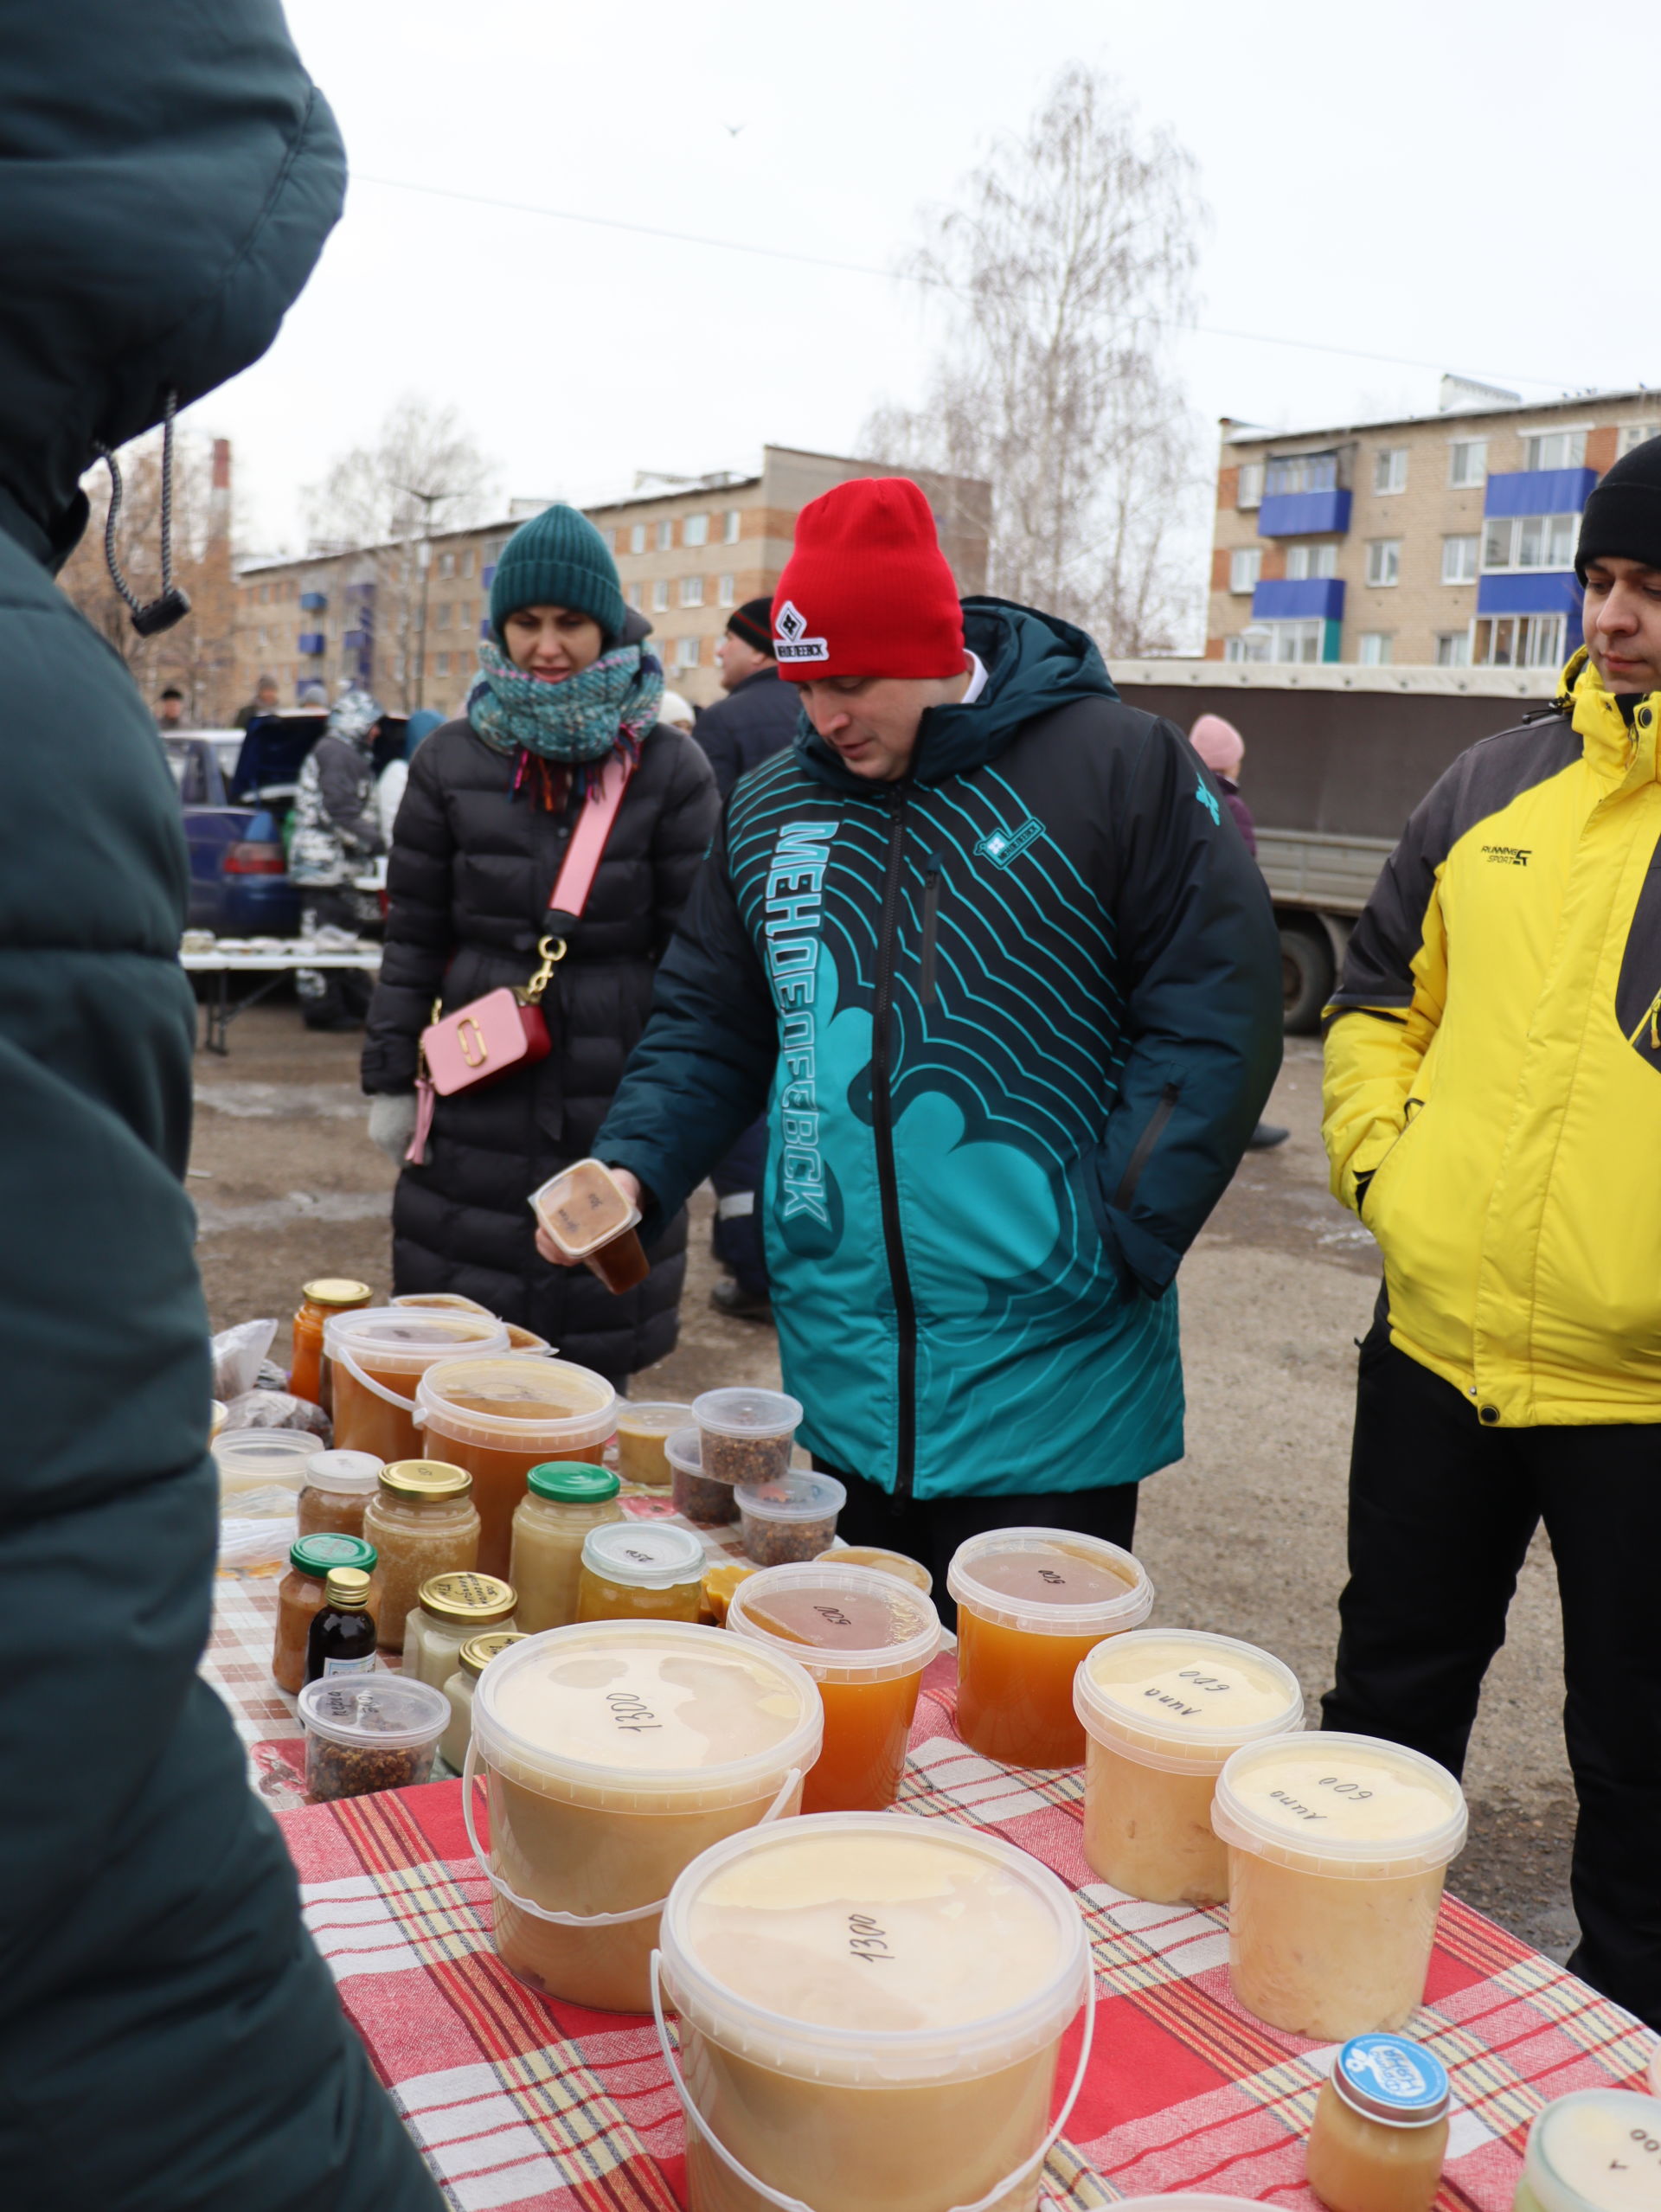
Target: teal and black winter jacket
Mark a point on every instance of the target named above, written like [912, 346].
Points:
[1013, 1019]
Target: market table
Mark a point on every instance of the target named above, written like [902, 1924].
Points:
[226, 961]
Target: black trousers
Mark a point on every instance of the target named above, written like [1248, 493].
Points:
[931, 1531]
[1441, 1511]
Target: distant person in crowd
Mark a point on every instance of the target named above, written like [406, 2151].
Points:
[1222, 748]
[336, 835]
[171, 2039]
[564, 686]
[676, 712]
[264, 702]
[394, 777]
[981, 936]
[1493, 1114]
[170, 710]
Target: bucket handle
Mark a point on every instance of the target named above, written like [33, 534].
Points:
[784, 2203]
[470, 1778]
[405, 1405]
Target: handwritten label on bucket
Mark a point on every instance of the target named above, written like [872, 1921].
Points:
[630, 1713]
[867, 1940]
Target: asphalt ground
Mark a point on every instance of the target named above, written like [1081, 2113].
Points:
[1245, 1537]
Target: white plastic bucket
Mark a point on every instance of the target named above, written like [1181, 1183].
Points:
[1593, 2150]
[379, 1354]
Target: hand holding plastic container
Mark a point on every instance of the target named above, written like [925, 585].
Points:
[588, 1216]
[1380, 2132]
[1595, 2150]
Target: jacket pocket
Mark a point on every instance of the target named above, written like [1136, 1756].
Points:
[1383, 1175]
[1143, 1150]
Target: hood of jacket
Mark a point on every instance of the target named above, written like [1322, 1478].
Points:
[1619, 746]
[170, 173]
[1034, 662]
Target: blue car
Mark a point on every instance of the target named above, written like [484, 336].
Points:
[239, 871]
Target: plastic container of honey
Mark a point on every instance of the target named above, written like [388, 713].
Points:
[865, 1638]
[882, 1562]
[643, 1428]
[789, 1519]
[422, 1523]
[499, 1417]
[1163, 1710]
[451, 1610]
[1380, 2132]
[1594, 2150]
[262, 1470]
[699, 1496]
[640, 1570]
[562, 1502]
[338, 1485]
[1337, 1846]
[614, 1753]
[378, 1356]
[871, 2013]
[1031, 1603]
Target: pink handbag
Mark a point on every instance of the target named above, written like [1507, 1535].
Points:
[490, 1037]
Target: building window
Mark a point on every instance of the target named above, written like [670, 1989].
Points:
[442, 665]
[637, 596]
[1390, 469]
[264, 594]
[1249, 491]
[1297, 473]
[1285, 642]
[730, 534]
[1304, 562]
[695, 530]
[1636, 434]
[446, 564]
[725, 592]
[467, 569]
[1453, 648]
[441, 621]
[637, 538]
[686, 652]
[665, 534]
[1375, 648]
[1467, 463]
[1530, 540]
[1244, 569]
[1554, 449]
[1519, 641]
[660, 595]
[1384, 561]
[691, 590]
[1459, 560]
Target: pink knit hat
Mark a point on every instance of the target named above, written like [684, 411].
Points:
[1219, 744]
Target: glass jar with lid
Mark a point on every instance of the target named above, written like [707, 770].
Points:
[422, 1522]
[1380, 2132]
[471, 1660]
[641, 1570]
[308, 1378]
[338, 1485]
[564, 1499]
[300, 1594]
[453, 1608]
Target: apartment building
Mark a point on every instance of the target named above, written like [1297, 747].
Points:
[1444, 540]
[404, 619]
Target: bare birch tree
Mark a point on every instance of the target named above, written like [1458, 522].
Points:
[1067, 266]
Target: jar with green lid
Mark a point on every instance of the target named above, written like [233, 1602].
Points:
[564, 1500]
[1596, 2151]
[422, 1522]
[453, 1608]
[471, 1660]
[299, 1596]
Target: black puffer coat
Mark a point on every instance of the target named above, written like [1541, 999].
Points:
[471, 869]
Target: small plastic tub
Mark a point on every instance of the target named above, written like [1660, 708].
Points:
[1593, 2150]
[643, 1428]
[338, 1485]
[586, 1215]
[262, 1470]
[640, 1570]
[882, 1562]
[865, 1638]
[1031, 1604]
[614, 1752]
[702, 1497]
[747, 1434]
[1337, 1847]
[370, 1731]
[871, 2013]
[1164, 1710]
[790, 1519]
[377, 1358]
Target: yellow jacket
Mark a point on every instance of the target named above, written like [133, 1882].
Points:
[1493, 1069]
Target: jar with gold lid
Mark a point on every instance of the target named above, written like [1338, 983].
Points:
[308, 1378]
[471, 1660]
[453, 1608]
[422, 1522]
[1380, 2132]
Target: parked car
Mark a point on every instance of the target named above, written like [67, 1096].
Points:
[239, 872]
[267, 766]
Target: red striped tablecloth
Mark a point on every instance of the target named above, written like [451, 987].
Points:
[535, 2107]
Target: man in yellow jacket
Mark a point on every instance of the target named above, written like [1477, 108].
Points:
[1493, 1114]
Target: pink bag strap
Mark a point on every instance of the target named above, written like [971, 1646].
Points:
[594, 820]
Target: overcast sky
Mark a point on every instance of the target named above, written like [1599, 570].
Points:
[1418, 185]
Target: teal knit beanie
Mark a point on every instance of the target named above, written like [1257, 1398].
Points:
[558, 558]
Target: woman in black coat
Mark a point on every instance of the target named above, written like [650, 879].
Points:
[485, 819]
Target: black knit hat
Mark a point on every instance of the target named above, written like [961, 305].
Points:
[752, 622]
[1623, 516]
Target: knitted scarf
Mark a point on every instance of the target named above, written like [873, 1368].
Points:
[610, 705]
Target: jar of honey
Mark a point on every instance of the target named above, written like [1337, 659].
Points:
[471, 1660]
[376, 1357]
[422, 1523]
[330, 1294]
[300, 1595]
[565, 1500]
[453, 1608]
[1380, 2132]
[338, 1487]
[640, 1570]
[1031, 1602]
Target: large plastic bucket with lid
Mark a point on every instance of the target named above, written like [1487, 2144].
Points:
[872, 2008]
[1165, 1709]
[377, 1355]
[1592, 2151]
[614, 1753]
[501, 1415]
[1337, 1847]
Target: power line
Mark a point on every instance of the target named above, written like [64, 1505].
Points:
[912, 276]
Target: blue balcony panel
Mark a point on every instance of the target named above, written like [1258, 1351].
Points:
[311, 641]
[1304, 514]
[1550, 590]
[1285, 600]
[356, 640]
[312, 600]
[486, 573]
[484, 627]
[1539, 492]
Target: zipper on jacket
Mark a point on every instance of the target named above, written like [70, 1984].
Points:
[932, 863]
[1145, 1144]
[905, 1310]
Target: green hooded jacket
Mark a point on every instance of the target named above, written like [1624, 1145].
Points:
[169, 2039]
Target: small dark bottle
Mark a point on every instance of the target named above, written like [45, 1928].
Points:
[343, 1635]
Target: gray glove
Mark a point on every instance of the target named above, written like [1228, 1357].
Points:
[391, 1123]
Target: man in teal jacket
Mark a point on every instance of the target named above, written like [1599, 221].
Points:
[992, 953]
[170, 2040]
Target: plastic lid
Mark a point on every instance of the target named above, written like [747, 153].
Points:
[279, 1455]
[1174, 1699]
[317, 1555]
[477, 1651]
[647, 1716]
[644, 1555]
[1340, 1805]
[874, 1948]
[353, 1474]
[842, 1624]
[346, 1587]
[401, 1340]
[464, 1596]
[1596, 2151]
[1099, 1590]
[881, 1562]
[747, 1412]
[583, 1207]
[653, 1416]
[336, 1290]
[424, 1478]
[574, 1482]
[1389, 2079]
[800, 1495]
[517, 1401]
[451, 1299]
[378, 1710]
[684, 1448]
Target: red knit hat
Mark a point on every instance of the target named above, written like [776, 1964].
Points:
[867, 590]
